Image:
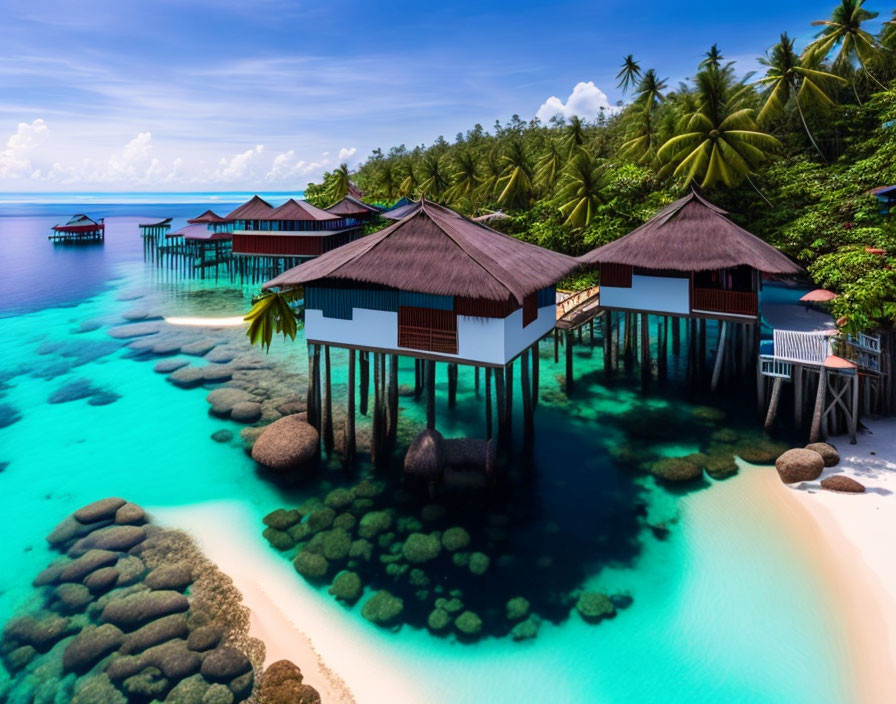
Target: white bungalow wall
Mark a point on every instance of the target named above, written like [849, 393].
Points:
[661, 294]
[485, 340]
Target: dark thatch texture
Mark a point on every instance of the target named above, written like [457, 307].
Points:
[350, 206]
[298, 210]
[434, 250]
[401, 210]
[253, 209]
[208, 216]
[692, 235]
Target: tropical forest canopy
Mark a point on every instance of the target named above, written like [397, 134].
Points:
[792, 152]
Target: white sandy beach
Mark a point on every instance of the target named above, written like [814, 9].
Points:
[853, 535]
[340, 663]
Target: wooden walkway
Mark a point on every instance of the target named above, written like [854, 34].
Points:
[576, 309]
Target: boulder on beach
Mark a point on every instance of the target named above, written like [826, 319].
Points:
[840, 482]
[799, 465]
[282, 683]
[286, 444]
[827, 451]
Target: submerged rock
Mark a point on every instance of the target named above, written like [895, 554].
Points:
[286, 444]
[115, 537]
[595, 606]
[799, 465]
[455, 538]
[166, 366]
[187, 377]
[224, 664]
[346, 586]
[676, 469]
[137, 609]
[90, 646]
[382, 608]
[517, 608]
[155, 632]
[420, 548]
[525, 630]
[311, 565]
[469, 624]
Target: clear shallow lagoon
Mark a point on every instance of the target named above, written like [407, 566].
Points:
[725, 608]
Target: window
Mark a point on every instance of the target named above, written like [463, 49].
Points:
[530, 308]
[427, 329]
[616, 275]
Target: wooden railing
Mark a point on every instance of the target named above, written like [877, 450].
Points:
[716, 300]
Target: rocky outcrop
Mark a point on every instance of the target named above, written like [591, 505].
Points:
[799, 465]
[282, 683]
[287, 444]
[137, 609]
[840, 482]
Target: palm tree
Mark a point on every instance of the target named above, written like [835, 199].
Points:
[465, 178]
[548, 166]
[720, 140]
[409, 183]
[338, 183]
[888, 34]
[272, 313]
[630, 72]
[387, 179]
[516, 178]
[434, 178]
[573, 135]
[650, 90]
[788, 78]
[582, 189]
[642, 136]
[845, 29]
[713, 58]
[491, 171]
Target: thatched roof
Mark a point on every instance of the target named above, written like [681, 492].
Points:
[349, 206]
[253, 209]
[401, 209]
[208, 216]
[298, 210]
[434, 250]
[692, 234]
[198, 231]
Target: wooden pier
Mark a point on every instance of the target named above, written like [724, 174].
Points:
[80, 229]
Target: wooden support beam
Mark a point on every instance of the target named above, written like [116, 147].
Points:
[377, 432]
[430, 382]
[570, 382]
[815, 431]
[476, 380]
[536, 364]
[488, 403]
[645, 350]
[452, 385]
[328, 402]
[720, 356]
[364, 358]
[348, 449]
[502, 407]
[393, 399]
[556, 346]
[854, 414]
[309, 396]
[773, 404]
[528, 422]
[508, 389]
[798, 395]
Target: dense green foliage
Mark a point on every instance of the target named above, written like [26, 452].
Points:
[792, 155]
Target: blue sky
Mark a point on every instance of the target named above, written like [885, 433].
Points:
[219, 94]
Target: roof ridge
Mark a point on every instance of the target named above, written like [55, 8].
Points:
[466, 246]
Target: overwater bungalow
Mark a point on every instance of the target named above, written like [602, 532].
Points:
[213, 222]
[79, 229]
[156, 229]
[269, 239]
[689, 260]
[434, 286]
[354, 209]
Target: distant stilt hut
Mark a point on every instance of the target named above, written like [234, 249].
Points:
[437, 287]
[155, 230]
[79, 229]
[206, 241]
[270, 240]
[690, 261]
[354, 209]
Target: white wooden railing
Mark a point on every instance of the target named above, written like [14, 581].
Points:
[802, 347]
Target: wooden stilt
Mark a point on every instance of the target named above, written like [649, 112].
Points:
[556, 346]
[430, 381]
[309, 404]
[720, 357]
[701, 345]
[502, 407]
[854, 410]
[528, 424]
[317, 404]
[476, 380]
[570, 382]
[488, 403]
[818, 412]
[798, 395]
[645, 350]
[536, 364]
[418, 378]
[348, 450]
[508, 389]
[328, 403]
[377, 432]
[452, 385]
[393, 399]
[606, 323]
[365, 380]
[773, 404]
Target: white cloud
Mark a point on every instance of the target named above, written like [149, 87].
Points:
[15, 161]
[586, 101]
[285, 166]
[346, 153]
[238, 167]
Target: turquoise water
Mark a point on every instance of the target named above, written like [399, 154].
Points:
[712, 619]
